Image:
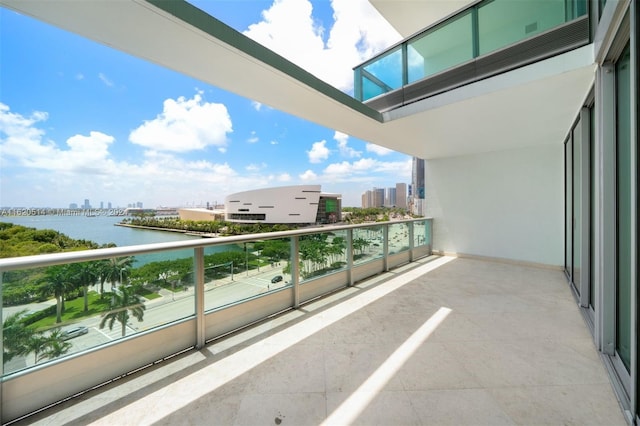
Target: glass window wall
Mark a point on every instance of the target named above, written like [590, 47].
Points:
[624, 207]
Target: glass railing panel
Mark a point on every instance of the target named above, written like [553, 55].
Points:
[382, 75]
[420, 237]
[398, 237]
[504, 22]
[59, 310]
[443, 47]
[368, 244]
[322, 254]
[236, 272]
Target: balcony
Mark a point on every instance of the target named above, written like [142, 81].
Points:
[487, 38]
[440, 340]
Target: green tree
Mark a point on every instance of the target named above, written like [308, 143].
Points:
[15, 336]
[53, 346]
[83, 275]
[124, 304]
[57, 283]
[117, 270]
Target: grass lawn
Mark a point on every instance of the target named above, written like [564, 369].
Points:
[74, 309]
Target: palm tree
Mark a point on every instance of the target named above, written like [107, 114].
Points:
[83, 275]
[117, 269]
[123, 302]
[53, 346]
[57, 282]
[15, 336]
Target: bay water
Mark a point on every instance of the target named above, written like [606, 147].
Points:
[103, 230]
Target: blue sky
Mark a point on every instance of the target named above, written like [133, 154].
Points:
[80, 120]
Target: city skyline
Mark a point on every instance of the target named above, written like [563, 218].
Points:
[77, 117]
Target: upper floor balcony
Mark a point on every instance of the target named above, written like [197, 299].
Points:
[486, 38]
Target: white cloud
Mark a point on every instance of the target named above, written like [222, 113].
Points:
[105, 80]
[308, 176]
[253, 138]
[319, 152]
[274, 142]
[366, 167]
[185, 125]
[256, 105]
[79, 76]
[345, 150]
[22, 144]
[36, 171]
[283, 177]
[253, 168]
[379, 150]
[358, 33]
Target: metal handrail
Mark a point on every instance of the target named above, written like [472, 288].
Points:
[35, 261]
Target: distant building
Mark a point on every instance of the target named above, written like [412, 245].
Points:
[390, 197]
[386, 197]
[286, 204]
[401, 195]
[417, 200]
[86, 204]
[201, 214]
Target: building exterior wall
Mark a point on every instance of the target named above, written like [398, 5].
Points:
[201, 214]
[505, 204]
[401, 195]
[286, 204]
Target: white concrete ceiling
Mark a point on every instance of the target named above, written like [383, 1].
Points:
[530, 106]
[410, 16]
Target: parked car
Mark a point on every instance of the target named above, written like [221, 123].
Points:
[276, 279]
[74, 332]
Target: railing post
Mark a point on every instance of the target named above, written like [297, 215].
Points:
[295, 270]
[385, 246]
[411, 244]
[198, 276]
[350, 256]
[357, 84]
[475, 32]
[405, 64]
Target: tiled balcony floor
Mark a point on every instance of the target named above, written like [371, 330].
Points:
[448, 342]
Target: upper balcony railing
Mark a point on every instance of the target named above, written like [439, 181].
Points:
[480, 29]
[149, 302]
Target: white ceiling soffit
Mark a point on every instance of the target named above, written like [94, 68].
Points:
[410, 16]
[530, 106]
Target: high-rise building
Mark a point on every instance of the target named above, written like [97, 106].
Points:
[86, 204]
[417, 202]
[401, 195]
[390, 197]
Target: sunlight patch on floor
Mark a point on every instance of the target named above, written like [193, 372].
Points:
[351, 408]
[212, 377]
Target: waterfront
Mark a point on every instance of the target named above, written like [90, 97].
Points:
[102, 230]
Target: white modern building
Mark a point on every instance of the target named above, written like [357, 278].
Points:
[300, 204]
[526, 116]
